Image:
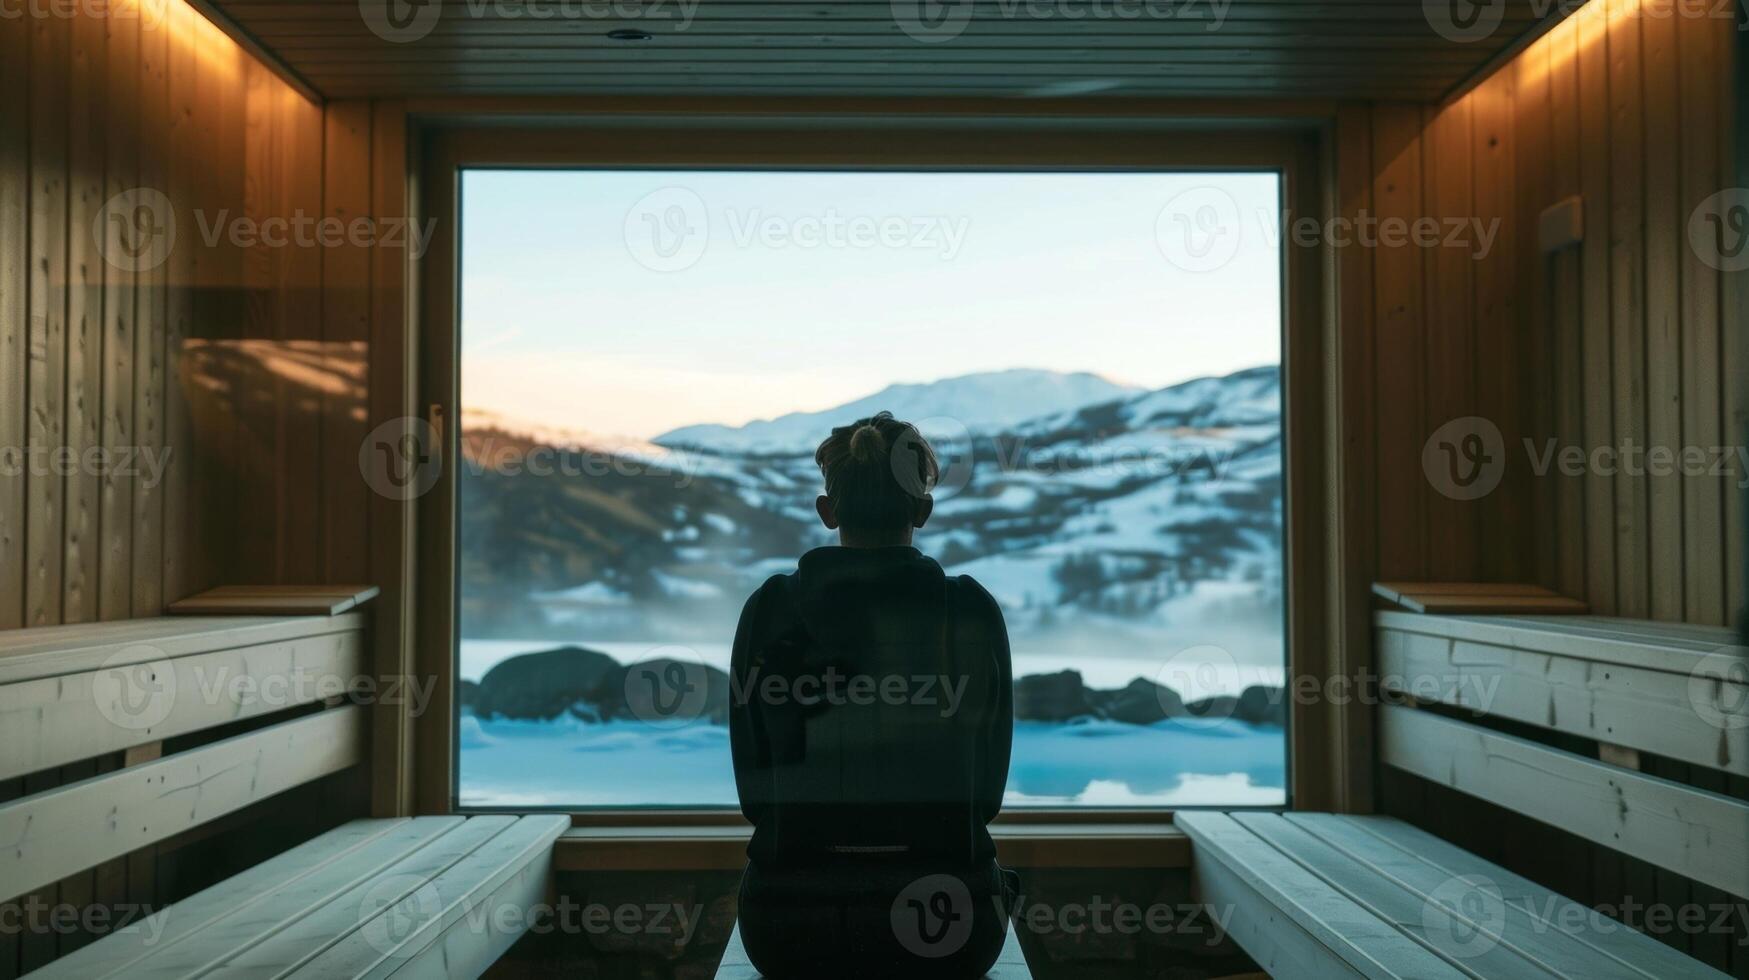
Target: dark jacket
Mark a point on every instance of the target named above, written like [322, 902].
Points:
[871, 712]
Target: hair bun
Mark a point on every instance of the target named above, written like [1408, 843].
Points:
[867, 444]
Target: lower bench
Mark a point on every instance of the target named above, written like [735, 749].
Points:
[1322, 895]
[1011, 965]
[410, 897]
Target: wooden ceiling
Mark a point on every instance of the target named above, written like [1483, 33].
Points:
[1373, 49]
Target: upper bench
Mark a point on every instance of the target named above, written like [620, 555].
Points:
[1666, 688]
[1631, 686]
[70, 693]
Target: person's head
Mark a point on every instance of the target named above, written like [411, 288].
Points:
[879, 472]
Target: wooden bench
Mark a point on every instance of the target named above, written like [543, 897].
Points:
[1321, 895]
[1632, 686]
[428, 895]
[1325, 895]
[1010, 965]
[421, 896]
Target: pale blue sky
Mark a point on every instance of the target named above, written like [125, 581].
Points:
[572, 318]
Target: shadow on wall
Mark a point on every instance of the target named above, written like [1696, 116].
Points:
[273, 430]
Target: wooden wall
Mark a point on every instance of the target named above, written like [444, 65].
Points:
[1628, 336]
[1621, 339]
[247, 361]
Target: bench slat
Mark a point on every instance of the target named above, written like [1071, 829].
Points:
[46, 837]
[1269, 935]
[1467, 945]
[1265, 888]
[296, 920]
[1644, 631]
[438, 897]
[52, 651]
[327, 919]
[117, 952]
[53, 721]
[1653, 646]
[1650, 710]
[462, 896]
[1534, 917]
[1478, 919]
[1701, 835]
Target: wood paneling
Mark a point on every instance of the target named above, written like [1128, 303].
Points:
[1622, 342]
[206, 408]
[15, 197]
[1400, 332]
[204, 378]
[1614, 344]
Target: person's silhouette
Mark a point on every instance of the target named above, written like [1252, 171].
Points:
[871, 720]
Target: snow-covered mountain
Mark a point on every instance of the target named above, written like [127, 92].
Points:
[984, 402]
[1145, 518]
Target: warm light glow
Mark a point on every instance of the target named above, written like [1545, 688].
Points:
[190, 33]
[1583, 28]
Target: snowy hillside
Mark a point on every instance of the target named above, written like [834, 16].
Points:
[1134, 542]
[1122, 524]
[980, 402]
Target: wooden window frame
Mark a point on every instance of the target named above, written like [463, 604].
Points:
[1329, 760]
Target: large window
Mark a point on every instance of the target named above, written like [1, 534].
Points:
[648, 359]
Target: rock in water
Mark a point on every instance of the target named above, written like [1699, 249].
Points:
[1052, 697]
[1256, 705]
[542, 685]
[1141, 702]
[667, 692]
